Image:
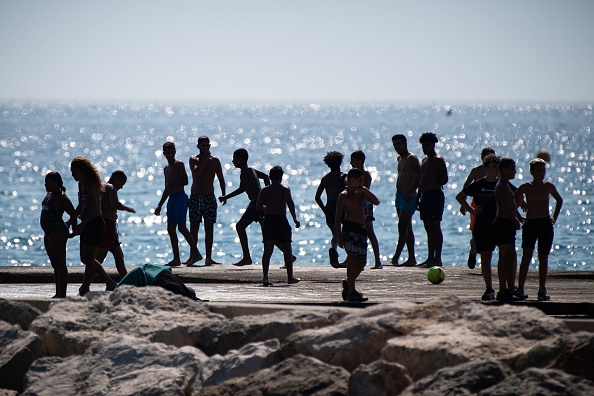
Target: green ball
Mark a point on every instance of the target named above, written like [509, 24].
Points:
[436, 275]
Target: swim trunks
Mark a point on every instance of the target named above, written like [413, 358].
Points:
[276, 228]
[93, 232]
[177, 207]
[110, 237]
[203, 206]
[482, 234]
[541, 229]
[251, 214]
[504, 231]
[431, 204]
[51, 216]
[408, 205]
[355, 239]
[368, 210]
[330, 212]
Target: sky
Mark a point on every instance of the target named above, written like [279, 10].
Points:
[455, 51]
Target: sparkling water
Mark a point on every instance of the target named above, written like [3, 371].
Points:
[37, 138]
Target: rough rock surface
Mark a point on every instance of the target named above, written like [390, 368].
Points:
[149, 341]
[19, 313]
[18, 350]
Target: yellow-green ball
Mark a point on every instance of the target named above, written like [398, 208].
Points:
[436, 275]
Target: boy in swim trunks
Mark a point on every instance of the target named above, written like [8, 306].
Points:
[358, 161]
[250, 184]
[203, 204]
[539, 224]
[409, 171]
[110, 204]
[431, 201]
[274, 200]
[333, 183]
[507, 221]
[477, 173]
[352, 235]
[177, 206]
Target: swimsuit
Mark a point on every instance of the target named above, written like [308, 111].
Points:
[93, 232]
[177, 207]
[110, 237]
[355, 239]
[51, 216]
[408, 205]
[368, 210]
[504, 231]
[431, 204]
[541, 229]
[251, 214]
[275, 227]
[203, 206]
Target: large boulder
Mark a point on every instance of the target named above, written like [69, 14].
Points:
[120, 366]
[18, 350]
[537, 382]
[379, 378]
[18, 313]
[296, 376]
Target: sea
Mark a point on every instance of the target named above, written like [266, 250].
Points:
[36, 138]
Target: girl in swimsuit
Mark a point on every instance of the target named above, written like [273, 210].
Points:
[55, 230]
[92, 226]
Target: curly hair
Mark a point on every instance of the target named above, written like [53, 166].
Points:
[333, 158]
[86, 167]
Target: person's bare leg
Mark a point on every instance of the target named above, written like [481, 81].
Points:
[524, 266]
[88, 254]
[285, 247]
[268, 249]
[195, 255]
[172, 231]
[55, 246]
[543, 269]
[405, 236]
[194, 230]
[118, 257]
[243, 240]
[208, 242]
[110, 284]
[374, 244]
[486, 258]
[354, 269]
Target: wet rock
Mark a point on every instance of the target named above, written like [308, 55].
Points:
[299, 375]
[18, 313]
[379, 378]
[118, 366]
[18, 350]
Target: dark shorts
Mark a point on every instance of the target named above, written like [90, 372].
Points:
[541, 229]
[93, 232]
[177, 207]
[431, 205]
[110, 237]
[504, 232]
[408, 205]
[276, 228]
[203, 206]
[251, 214]
[330, 212]
[482, 234]
[355, 239]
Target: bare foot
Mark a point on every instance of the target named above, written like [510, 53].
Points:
[283, 267]
[429, 264]
[343, 264]
[378, 266]
[173, 263]
[82, 292]
[266, 283]
[194, 258]
[293, 280]
[211, 262]
[409, 263]
[243, 262]
[110, 286]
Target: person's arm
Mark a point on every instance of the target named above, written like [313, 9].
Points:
[261, 201]
[163, 196]
[291, 206]
[318, 197]
[338, 218]
[197, 164]
[369, 196]
[220, 178]
[558, 203]
[461, 198]
[263, 176]
[519, 194]
[442, 171]
[471, 178]
[241, 189]
[65, 204]
[115, 202]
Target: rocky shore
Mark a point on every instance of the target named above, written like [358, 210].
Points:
[148, 341]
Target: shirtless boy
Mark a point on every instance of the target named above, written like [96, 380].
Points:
[352, 235]
[250, 184]
[538, 226]
[476, 174]
[110, 204]
[358, 161]
[274, 200]
[409, 172]
[333, 183]
[203, 204]
[177, 206]
[431, 201]
[507, 221]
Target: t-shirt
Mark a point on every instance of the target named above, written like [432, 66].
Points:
[483, 192]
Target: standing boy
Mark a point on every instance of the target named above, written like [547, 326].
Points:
[538, 226]
[507, 221]
[333, 183]
[352, 235]
[110, 204]
[250, 184]
[274, 200]
[177, 206]
[482, 192]
[358, 161]
[409, 172]
[203, 204]
[431, 201]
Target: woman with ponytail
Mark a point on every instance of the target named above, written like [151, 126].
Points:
[55, 230]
